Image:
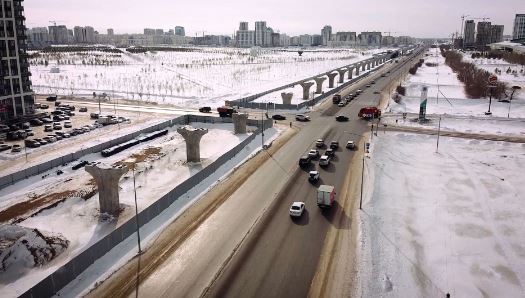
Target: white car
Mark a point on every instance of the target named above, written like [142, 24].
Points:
[350, 145]
[324, 161]
[341, 104]
[313, 176]
[313, 153]
[319, 143]
[302, 118]
[297, 209]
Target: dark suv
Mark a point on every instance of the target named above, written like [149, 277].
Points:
[304, 161]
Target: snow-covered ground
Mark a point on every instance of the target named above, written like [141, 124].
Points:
[452, 221]
[202, 77]
[78, 220]
[446, 94]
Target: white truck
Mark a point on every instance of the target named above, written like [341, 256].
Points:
[325, 196]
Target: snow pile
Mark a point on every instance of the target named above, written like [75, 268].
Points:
[24, 248]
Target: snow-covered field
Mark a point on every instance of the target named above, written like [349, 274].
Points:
[78, 221]
[201, 77]
[452, 221]
[446, 94]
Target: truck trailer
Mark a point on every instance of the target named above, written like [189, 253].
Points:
[325, 196]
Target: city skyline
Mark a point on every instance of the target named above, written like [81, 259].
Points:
[288, 18]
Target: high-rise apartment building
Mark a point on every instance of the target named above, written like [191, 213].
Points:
[326, 34]
[110, 32]
[370, 39]
[244, 37]
[496, 33]
[149, 31]
[260, 33]
[519, 27]
[470, 33]
[84, 34]
[16, 96]
[243, 26]
[483, 34]
[58, 34]
[38, 37]
[179, 31]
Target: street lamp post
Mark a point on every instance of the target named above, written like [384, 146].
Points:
[136, 210]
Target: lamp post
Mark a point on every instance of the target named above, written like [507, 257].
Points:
[136, 210]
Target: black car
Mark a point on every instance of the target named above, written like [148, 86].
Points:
[304, 161]
[82, 109]
[205, 109]
[46, 120]
[278, 117]
[334, 145]
[330, 152]
[341, 118]
[35, 122]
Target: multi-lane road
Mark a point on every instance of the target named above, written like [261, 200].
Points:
[280, 256]
[277, 256]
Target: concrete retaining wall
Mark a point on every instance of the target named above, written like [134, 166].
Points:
[69, 271]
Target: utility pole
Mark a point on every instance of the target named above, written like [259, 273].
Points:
[439, 130]
[136, 210]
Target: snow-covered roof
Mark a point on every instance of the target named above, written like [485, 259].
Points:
[516, 47]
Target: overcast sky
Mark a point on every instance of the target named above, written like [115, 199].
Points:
[418, 18]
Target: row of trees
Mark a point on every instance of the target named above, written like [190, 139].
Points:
[414, 68]
[513, 58]
[476, 80]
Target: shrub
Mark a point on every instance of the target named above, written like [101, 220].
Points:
[401, 90]
[430, 64]
[413, 70]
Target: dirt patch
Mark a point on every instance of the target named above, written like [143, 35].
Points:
[147, 154]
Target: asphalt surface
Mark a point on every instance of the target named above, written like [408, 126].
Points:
[279, 257]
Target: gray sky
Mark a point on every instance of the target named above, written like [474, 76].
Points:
[418, 18]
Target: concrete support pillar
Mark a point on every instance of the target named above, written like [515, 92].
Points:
[350, 71]
[192, 136]
[363, 66]
[107, 178]
[341, 75]
[368, 65]
[319, 81]
[306, 89]
[239, 123]
[357, 69]
[287, 98]
[331, 79]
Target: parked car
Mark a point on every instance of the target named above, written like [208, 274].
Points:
[51, 98]
[367, 85]
[4, 147]
[94, 115]
[57, 126]
[66, 135]
[36, 105]
[46, 120]
[304, 161]
[29, 132]
[4, 128]
[16, 148]
[44, 106]
[334, 145]
[57, 137]
[70, 113]
[319, 143]
[297, 209]
[35, 122]
[341, 104]
[48, 127]
[64, 117]
[32, 143]
[68, 124]
[313, 153]
[82, 109]
[359, 91]
[205, 109]
[302, 118]
[350, 145]
[324, 161]
[341, 118]
[25, 125]
[41, 141]
[313, 176]
[57, 103]
[278, 117]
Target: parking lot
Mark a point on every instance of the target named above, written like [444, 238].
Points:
[65, 128]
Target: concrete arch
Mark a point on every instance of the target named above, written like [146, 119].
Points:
[331, 79]
[341, 72]
[319, 81]
[306, 89]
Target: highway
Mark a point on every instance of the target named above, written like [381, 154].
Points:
[277, 256]
[280, 257]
